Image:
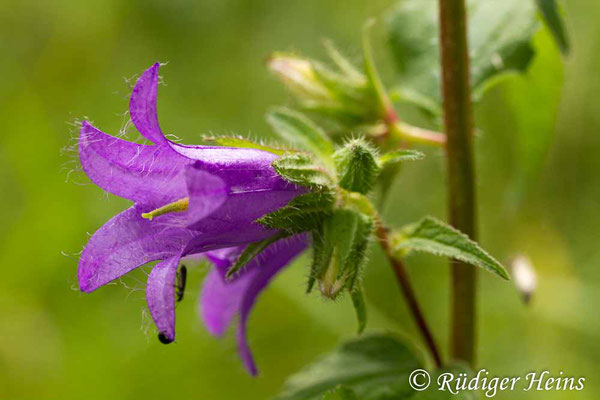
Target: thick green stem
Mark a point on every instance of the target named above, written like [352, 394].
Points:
[458, 121]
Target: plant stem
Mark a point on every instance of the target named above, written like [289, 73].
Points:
[415, 134]
[408, 292]
[458, 121]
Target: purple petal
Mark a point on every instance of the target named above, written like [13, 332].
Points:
[142, 106]
[128, 241]
[206, 193]
[255, 189]
[222, 259]
[220, 301]
[274, 259]
[150, 175]
[160, 295]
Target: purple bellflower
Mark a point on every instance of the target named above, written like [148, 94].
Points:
[187, 200]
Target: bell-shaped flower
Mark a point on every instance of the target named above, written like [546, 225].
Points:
[187, 200]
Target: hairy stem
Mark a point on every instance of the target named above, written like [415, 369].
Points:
[458, 121]
[408, 292]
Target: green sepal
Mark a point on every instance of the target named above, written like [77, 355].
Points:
[231, 141]
[320, 256]
[300, 169]
[360, 308]
[296, 128]
[251, 251]
[433, 236]
[398, 156]
[340, 248]
[357, 166]
[345, 66]
[303, 213]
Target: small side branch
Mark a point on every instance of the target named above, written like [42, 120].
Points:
[408, 292]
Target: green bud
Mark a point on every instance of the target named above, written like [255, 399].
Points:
[340, 247]
[357, 166]
[299, 76]
[339, 92]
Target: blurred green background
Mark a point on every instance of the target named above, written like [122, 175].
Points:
[539, 191]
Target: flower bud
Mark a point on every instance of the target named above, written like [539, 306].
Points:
[299, 76]
[343, 94]
[357, 166]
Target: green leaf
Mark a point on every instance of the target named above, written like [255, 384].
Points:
[297, 129]
[357, 166]
[303, 213]
[340, 393]
[525, 129]
[375, 367]
[358, 301]
[553, 19]
[300, 169]
[397, 156]
[436, 237]
[499, 41]
[251, 251]
[229, 141]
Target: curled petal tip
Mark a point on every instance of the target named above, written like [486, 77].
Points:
[164, 339]
[142, 105]
[84, 278]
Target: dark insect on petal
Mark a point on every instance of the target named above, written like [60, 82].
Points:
[180, 286]
[164, 339]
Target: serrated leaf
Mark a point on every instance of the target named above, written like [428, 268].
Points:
[340, 393]
[375, 367]
[303, 213]
[397, 156]
[357, 166]
[300, 169]
[229, 141]
[297, 129]
[553, 19]
[433, 236]
[499, 41]
[360, 308]
[251, 251]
